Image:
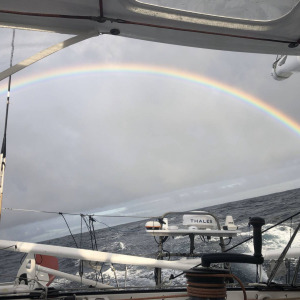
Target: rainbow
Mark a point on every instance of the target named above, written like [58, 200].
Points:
[157, 71]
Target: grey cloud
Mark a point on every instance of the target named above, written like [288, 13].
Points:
[88, 142]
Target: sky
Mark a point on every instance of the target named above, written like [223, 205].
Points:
[138, 137]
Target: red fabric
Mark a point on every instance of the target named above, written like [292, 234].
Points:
[47, 261]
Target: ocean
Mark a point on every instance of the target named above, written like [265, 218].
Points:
[132, 239]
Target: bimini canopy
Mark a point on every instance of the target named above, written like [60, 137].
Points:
[262, 26]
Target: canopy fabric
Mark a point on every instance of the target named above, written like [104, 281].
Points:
[278, 33]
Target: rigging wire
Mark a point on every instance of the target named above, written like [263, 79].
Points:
[3, 148]
[81, 231]
[94, 246]
[84, 215]
[78, 214]
[80, 245]
[91, 230]
[92, 233]
[244, 241]
[112, 228]
[91, 222]
[69, 229]
[263, 231]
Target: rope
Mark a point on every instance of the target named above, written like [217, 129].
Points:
[81, 232]
[212, 293]
[125, 279]
[91, 221]
[69, 228]
[91, 231]
[116, 277]
[241, 285]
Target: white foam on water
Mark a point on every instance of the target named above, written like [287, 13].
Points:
[278, 237]
[60, 283]
[275, 238]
